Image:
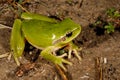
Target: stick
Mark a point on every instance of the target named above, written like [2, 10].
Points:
[3, 27]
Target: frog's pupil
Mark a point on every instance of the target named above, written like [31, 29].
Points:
[69, 34]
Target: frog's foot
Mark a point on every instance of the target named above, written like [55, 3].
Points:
[75, 52]
[74, 49]
[47, 54]
[61, 61]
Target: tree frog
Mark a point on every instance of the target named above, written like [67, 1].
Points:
[44, 33]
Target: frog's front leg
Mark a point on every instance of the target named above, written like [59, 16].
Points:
[17, 42]
[47, 54]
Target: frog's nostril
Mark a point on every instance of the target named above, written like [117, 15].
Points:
[69, 34]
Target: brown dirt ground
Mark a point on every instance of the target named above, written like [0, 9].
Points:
[104, 48]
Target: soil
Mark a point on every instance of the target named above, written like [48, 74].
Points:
[100, 51]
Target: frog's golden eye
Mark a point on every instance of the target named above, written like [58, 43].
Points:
[69, 34]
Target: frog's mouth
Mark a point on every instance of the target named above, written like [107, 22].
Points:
[69, 36]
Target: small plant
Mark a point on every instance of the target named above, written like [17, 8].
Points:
[97, 23]
[113, 13]
[116, 14]
[109, 28]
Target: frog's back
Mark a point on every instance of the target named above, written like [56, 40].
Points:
[38, 33]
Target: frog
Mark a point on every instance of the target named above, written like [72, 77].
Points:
[47, 34]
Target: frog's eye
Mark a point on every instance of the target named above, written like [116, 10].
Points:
[69, 34]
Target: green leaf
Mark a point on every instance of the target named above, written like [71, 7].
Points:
[110, 28]
[116, 14]
[110, 12]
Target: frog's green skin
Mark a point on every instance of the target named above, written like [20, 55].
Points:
[44, 33]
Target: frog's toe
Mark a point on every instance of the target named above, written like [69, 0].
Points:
[69, 53]
[61, 61]
[75, 52]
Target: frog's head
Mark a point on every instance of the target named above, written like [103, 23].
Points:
[69, 31]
